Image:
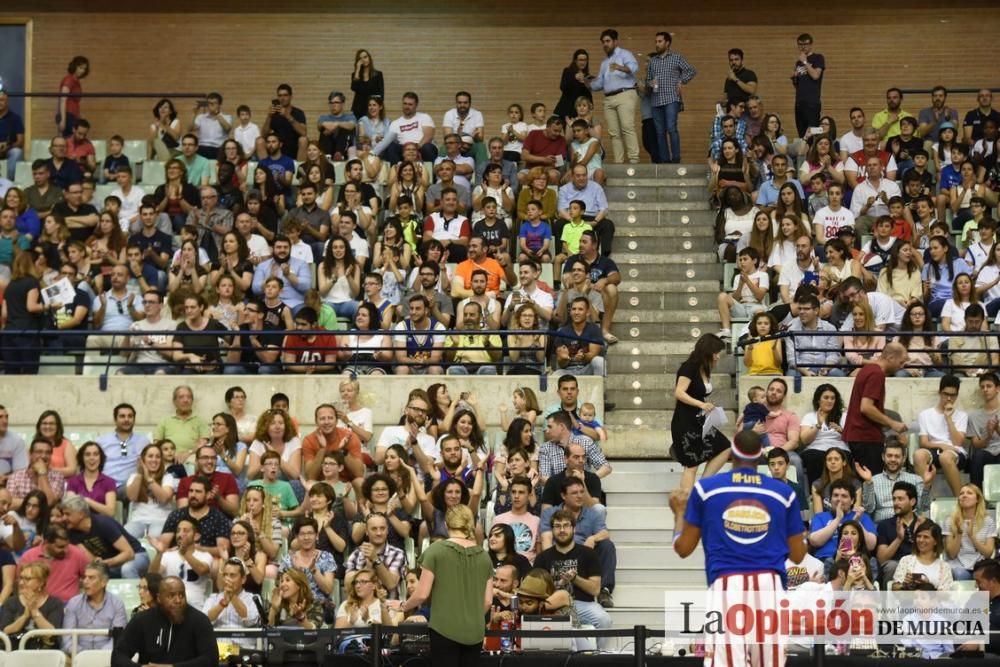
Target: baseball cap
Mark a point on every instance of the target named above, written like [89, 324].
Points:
[947, 125]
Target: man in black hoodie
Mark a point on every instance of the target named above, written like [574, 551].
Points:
[170, 634]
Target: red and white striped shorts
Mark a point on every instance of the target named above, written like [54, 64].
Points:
[735, 650]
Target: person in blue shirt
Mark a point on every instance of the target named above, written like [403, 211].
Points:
[939, 273]
[281, 166]
[737, 513]
[295, 275]
[825, 527]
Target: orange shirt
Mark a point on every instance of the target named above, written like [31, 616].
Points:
[492, 267]
[315, 442]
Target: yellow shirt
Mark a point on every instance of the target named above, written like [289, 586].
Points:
[762, 359]
[882, 117]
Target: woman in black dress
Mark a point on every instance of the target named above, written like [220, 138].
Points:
[366, 81]
[693, 388]
[22, 310]
[574, 84]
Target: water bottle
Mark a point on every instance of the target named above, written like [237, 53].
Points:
[506, 643]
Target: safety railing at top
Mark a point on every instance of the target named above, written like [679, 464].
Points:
[947, 353]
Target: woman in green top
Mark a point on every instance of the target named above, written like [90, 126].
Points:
[461, 596]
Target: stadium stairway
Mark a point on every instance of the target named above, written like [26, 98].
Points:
[664, 247]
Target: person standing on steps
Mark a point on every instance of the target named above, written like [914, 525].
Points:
[691, 446]
[776, 533]
[667, 74]
[617, 81]
[807, 77]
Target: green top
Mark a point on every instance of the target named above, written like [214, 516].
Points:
[279, 489]
[185, 433]
[459, 590]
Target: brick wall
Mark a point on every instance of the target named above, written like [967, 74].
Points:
[439, 48]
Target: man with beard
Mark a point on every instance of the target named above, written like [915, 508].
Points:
[895, 534]
[213, 525]
[887, 120]
[575, 568]
[877, 489]
[223, 494]
[411, 434]
[187, 562]
[171, 633]
[418, 354]
[617, 81]
[938, 112]
[496, 273]
[295, 274]
[489, 307]
[472, 351]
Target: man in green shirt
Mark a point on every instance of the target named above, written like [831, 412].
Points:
[185, 429]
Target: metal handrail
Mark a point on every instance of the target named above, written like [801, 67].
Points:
[75, 633]
[5, 640]
[22, 93]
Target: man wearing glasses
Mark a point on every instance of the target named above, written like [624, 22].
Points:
[150, 339]
[411, 434]
[224, 493]
[70, 316]
[81, 218]
[210, 218]
[807, 77]
[122, 447]
[198, 168]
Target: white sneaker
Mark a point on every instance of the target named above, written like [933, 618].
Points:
[725, 333]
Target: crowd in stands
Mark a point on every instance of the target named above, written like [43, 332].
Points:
[235, 248]
[324, 525]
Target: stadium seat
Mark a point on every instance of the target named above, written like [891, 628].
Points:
[212, 166]
[22, 175]
[40, 149]
[92, 658]
[39, 658]
[100, 150]
[135, 151]
[965, 585]
[942, 509]
[991, 483]
[102, 191]
[126, 590]
[338, 172]
[153, 173]
[57, 364]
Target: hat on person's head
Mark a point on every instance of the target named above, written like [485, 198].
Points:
[947, 125]
[847, 230]
[336, 93]
[467, 139]
[533, 586]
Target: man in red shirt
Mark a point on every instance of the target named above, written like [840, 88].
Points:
[224, 494]
[545, 148]
[328, 437]
[866, 410]
[81, 149]
[316, 353]
[66, 561]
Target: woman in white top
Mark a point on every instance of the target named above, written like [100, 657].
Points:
[925, 562]
[246, 424]
[366, 353]
[150, 490]
[514, 132]
[339, 277]
[822, 429]
[363, 606]
[492, 186]
[839, 264]
[734, 222]
[988, 280]
[164, 132]
[970, 534]
[790, 227]
[916, 334]
[963, 296]
[359, 417]
[862, 349]
[275, 432]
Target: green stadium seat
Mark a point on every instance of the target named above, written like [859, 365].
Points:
[102, 191]
[40, 149]
[153, 173]
[338, 172]
[22, 175]
[135, 151]
[942, 509]
[57, 364]
[100, 150]
[126, 590]
[965, 585]
[991, 483]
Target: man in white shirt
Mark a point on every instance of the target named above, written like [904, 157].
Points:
[151, 338]
[942, 435]
[888, 312]
[130, 197]
[829, 219]
[211, 126]
[853, 141]
[412, 433]
[465, 121]
[871, 197]
[529, 291]
[187, 562]
[412, 127]
[256, 244]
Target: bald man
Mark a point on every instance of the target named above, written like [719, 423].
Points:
[866, 410]
[173, 633]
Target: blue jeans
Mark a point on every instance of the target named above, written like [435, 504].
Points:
[592, 613]
[665, 121]
[485, 369]
[134, 568]
[14, 155]
[346, 309]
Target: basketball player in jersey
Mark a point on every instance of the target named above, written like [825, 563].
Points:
[750, 524]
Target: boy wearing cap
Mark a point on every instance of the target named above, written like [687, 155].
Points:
[336, 129]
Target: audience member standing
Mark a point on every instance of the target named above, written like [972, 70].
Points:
[866, 409]
[617, 81]
[366, 82]
[668, 72]
[807, 77]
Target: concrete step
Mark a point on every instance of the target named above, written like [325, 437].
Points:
[627, 519]
[621, 482]
[645, 466]
[646, 299]
[656, 170]
[637, 499]
[657, 193]
[654, 412]
[643, 536]
[648, 240]
[651, 331]
[618, 206]
[657, 578]
[658, 312]
[658, 556]
[640, 267]
[700, 258]
[663, 181]
[661, 399]
[627, 216]
[652, 596]
[669, 286]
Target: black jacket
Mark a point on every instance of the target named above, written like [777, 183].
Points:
[157, 640]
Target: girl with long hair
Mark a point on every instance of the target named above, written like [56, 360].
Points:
[268, 191]
[970, 535]
[232, 454]
[293, 603]
[988, 282]
[925, 563]
[822, 161]
[33, 518]
[918, 335]
[362, 595]
[150, 490]
[690, 446]
[258, 510]
[963, 295]
[790, 228]
[339, 277]
[822, 429]
[526, 346]
[366, 82]
[513, 133]
[406, 184]
[276, 432]
[177, 198]
[520, 435]
[234, 261]
[366, 351]
[761, 237]
[862, 349]
[315, 158]
[835, 467]
[770, 129]
[573, 84]
[91, 484]
[64, 459]
[840, 265]
[790, 203]
[525, 403]
[242, 545]
[731, 170]
[501, 544]
[764, 358]
[227, 303]
[409, 487]
[373, 122]
[900, 277]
